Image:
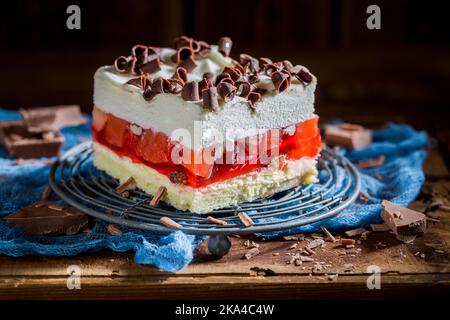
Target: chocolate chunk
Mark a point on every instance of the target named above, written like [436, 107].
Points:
[352, 139]
[281, 81]
[175, 86]
[160, 85]
[21, 143]
[382, 227]
[52, 118]
[121, 64]
[210, 99]
[182, 54]
[247, 60]
[253, 98]
[225, 45]
[189, 64]
[190, 91]
[304, 76]
[181, 73]
[158, 196]
[45, 217]
[243, 88]
[178, 177]
[226, 90]
[404, 222]
[151, 66]
[140, 82]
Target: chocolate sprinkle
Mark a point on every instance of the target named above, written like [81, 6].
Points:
[151, 66]
[181, 73]
[121, 64]
[280, 80]
[225, 45]
[226, 90]
[243, 88]
[189, 64]
[190, 91]
[210, 100]
[304, 76]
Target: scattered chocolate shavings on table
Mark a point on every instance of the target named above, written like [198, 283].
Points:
[315, 243]
[382, 227]
[245, 219]
[114, 230]
[347, 242]
[251, 253]
[216, 221]
[169, 223]
[355, 232]
[46, 218]
[328, 234]
[158, 196]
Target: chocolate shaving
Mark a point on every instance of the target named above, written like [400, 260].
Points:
[182, 54]
[328, 234]
[280, 80]
[189, 64]
[253, 98]
[129, 184]
[209, 76]
[203, 85]
[247, 60]
[355, 232]
[134, 66]
[140, 52]
[225, 45]
[242, 69]
[304, 76]
[158, 196]
[183, 41]
[121, 64]
[210, 99]
[226, 90]
[243, 88]
[151, 66]
[245, 219]
[160, 85]
[271, 68]
[251, 253]
[175, 86]
[114, 230]
[373, 163]
[181, 73]
[149, 94]
[216, 221]
[190, 91]
[45, 218]
[264, 61]
[253, 78]
[222, 76]
[169, 223]
[234, 73]
[140, 82]
[46, 194]
[178, 177]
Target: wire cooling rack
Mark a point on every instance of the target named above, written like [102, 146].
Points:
[81, 185]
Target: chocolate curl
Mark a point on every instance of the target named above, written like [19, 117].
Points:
[243, 88]
[209, 76]
[160, 85]
[203, 85]
[234, 73]
[271, 68]
[149, 94]
[203, 50]
[227, 80]
[176, 85]
[225, 45]
[222, 76]
[183, 41]
[261, 91]
[289, 66]
[280, 80]
[242, 69]
[134, 66]
[190, 91]
[226, 90]
[210, 99]
[151, 66]
[252, 63]
[189, 64]
[195, 46]
[181, 74]
[140, 52]
[121, 64]
[304, 76]
[182, 54]
[253, 78]
[264, 61]
[253, 98]
[140, 82]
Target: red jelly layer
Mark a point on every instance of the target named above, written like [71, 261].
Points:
[154, 149]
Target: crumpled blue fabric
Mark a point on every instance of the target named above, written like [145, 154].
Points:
[22, 185]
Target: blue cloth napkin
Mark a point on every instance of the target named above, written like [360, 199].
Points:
[399, 179]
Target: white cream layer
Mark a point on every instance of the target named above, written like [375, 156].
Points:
[167, 112]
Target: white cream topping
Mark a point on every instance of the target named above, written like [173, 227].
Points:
[167, 112]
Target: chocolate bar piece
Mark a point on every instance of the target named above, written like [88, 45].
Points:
[52, 118]
[348, 135]
[404, 222]
[21, 143]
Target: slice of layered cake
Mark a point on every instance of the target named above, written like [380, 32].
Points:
[209, 130]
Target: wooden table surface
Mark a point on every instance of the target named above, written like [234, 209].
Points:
[420, 269]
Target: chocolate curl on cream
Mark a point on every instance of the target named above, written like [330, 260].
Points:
[209, 76]
[183, 41]
[181, 74]
[134, 66]
[176, 85]
[140, 82]
[190, 91]
[121, 64]
[234, 73]
[149, 94]
[182, 54]
[222, 76]
[243, 88]
[203, 85]
[160, 85]
[264, 61]
[304, 76]
[140, 52]
[151, 66]
[210, 99]
[253, 78]
[189, 64]
[225, 45]
[271, 68]
[253, 98]
[226, 90]
[281, 80]
[247, 60]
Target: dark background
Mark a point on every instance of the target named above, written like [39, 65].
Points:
[398, 73]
